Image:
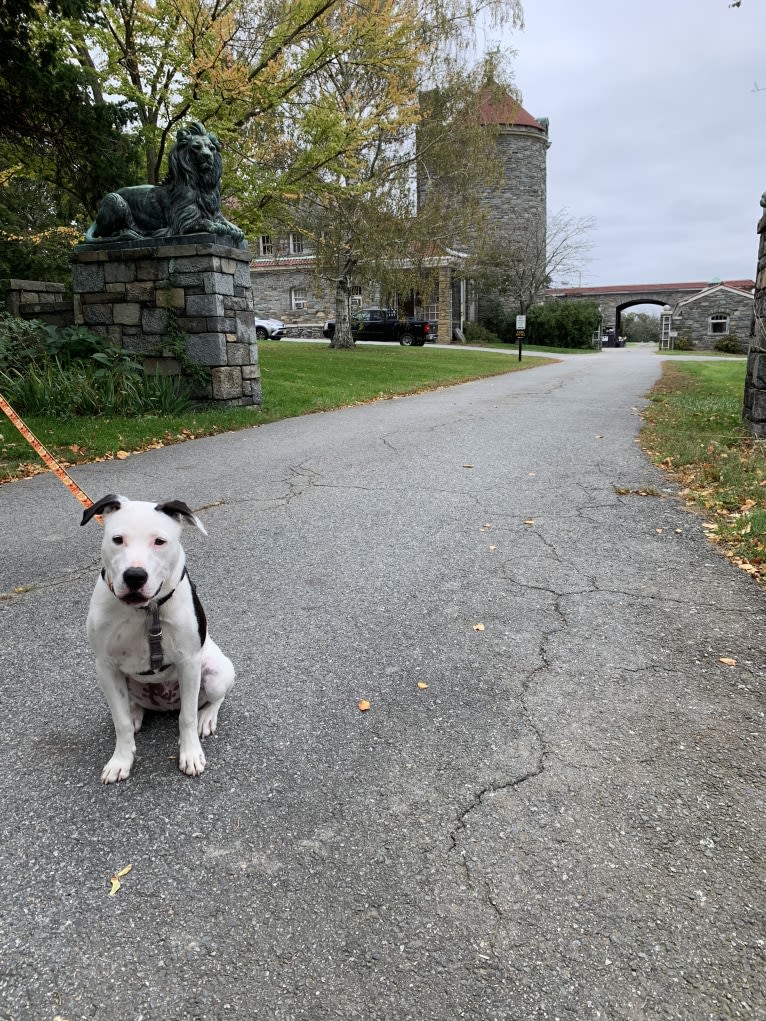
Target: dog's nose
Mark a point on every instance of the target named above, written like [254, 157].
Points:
[134, 578]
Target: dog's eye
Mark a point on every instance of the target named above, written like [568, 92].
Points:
[160, 542]
[117, 540]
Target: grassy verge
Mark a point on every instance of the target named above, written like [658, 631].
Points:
[297, 379]
[693, 430]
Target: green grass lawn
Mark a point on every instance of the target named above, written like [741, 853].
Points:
[693, 429]
[297, 379]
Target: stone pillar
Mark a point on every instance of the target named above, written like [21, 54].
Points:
[173, 302]
[754, 410]
[444, 331]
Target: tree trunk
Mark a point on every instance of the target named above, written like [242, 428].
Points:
[342, 336]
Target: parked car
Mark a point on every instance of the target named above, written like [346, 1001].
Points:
[267, 327]
[384, 324]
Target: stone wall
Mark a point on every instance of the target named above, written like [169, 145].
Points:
[171, 301]
[37, 299]
[754, 409]
[691, 318]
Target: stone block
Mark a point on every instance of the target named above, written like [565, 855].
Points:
[192, 325]
[194, 264]
[233, 305]
[226, 324]
[151, 269]
[124, 272]
[227, 383]
[238, 354]
[144, 344]
[128, 313]
[758, 407]
[251, 371]
[97, 314]
[204, 305]
[154, 320]
[170, 297]
[218, 283]
[115, 291]
[142, 290]
[87, 277]
[206, 349]
[188, 281]
[242, 275]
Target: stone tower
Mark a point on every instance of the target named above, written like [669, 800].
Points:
[517, 207]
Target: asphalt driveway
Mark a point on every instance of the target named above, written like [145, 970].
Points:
[553, 808]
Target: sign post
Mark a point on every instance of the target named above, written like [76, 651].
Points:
[521, 326]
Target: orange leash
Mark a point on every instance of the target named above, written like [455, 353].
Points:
[46, 455]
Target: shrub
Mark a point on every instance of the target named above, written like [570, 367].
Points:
[497, 321]
[683, 344]
[729, 345]
[85, 389]
[72, 371]
[476, 334]
[563, 323]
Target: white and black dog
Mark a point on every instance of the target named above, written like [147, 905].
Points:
[147, 629]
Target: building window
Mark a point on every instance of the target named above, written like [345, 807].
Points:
[296, 244]
[266, 245]
[718, 324]
[355, 300]
[298, 298]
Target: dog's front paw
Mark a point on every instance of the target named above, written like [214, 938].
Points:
[117, 768]
[191, 759]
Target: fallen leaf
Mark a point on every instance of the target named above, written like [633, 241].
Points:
[468, 466]
[727, 660]
[492, 548]
[122, 454]
[658, 531]
[363, 706]
[422, 685]
[599, 436]
[531, 475]
[115, 880]
[529, 521]
[478, 627]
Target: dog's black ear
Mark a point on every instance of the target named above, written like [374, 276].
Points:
[180, 511]
[105, 504]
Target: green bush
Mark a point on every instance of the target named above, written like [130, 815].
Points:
[683, 344]
[497, 321]
[729, 345]
[477, 334]
[563, 323]
[72, 371]
[84, 389]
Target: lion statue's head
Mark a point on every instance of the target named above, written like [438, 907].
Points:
[195, 159]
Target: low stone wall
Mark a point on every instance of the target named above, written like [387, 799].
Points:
[173, 301]
[37, 299]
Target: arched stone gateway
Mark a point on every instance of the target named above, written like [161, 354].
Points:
[701, 311]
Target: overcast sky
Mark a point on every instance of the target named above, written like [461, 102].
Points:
[656, 130]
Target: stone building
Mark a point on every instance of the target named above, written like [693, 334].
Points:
[718, 311]
[286, 285]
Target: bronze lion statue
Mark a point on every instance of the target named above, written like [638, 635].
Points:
[187, 201]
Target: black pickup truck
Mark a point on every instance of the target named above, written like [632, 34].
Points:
[383, 324]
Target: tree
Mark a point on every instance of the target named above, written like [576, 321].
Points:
[52, 129]
[520, 268]
[640, 326]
